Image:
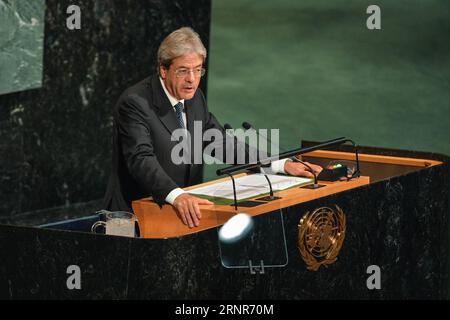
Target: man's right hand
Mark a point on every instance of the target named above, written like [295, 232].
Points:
[188, 208]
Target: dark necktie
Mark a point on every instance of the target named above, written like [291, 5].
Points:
[179, 113]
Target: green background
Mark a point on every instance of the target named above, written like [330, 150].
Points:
[314, 70]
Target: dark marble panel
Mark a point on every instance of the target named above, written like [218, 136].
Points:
[13, 168]
[58, 138]
[50, 215]
[182, 274]
[37, 262]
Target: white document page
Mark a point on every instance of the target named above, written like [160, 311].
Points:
[249, 186]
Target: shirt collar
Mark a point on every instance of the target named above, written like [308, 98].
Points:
[172, 99]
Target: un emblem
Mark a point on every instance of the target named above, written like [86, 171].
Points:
[320, 236]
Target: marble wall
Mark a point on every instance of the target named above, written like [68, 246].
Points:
[55, 141]
[21, 44]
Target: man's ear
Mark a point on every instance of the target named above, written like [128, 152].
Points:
[162, 72]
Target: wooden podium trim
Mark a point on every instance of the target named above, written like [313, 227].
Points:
[373, 158]
[157, 223]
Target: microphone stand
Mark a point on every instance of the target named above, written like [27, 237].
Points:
[270, 197]
[357, 172]
[234, 191]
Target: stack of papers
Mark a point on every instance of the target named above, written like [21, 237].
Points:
[249, 186]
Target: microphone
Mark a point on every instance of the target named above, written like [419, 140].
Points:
[248, 126]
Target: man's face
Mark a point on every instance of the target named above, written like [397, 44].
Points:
[182, 86]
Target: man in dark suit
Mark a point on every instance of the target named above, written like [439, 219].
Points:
[145, 117]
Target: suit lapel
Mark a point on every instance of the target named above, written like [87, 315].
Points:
[166, 113]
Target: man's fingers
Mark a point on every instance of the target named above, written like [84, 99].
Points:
[307, 174]
[189, 209]
[189, 219]
[197, 210]
[317, 169]
[182, 215]
[183, 209]
[193, 213]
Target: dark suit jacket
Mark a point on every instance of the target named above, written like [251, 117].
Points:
[144, 120]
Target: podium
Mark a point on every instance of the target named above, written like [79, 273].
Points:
[162, 223]
[384, 235]
[396, 228]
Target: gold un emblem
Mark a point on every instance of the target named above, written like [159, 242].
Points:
[320, 236]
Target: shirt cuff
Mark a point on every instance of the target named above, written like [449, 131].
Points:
[275, 167]
[173, 195]
[278, 166]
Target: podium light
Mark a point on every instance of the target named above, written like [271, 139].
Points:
[236, 228]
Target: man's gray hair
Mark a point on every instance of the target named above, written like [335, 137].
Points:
[180, 42]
